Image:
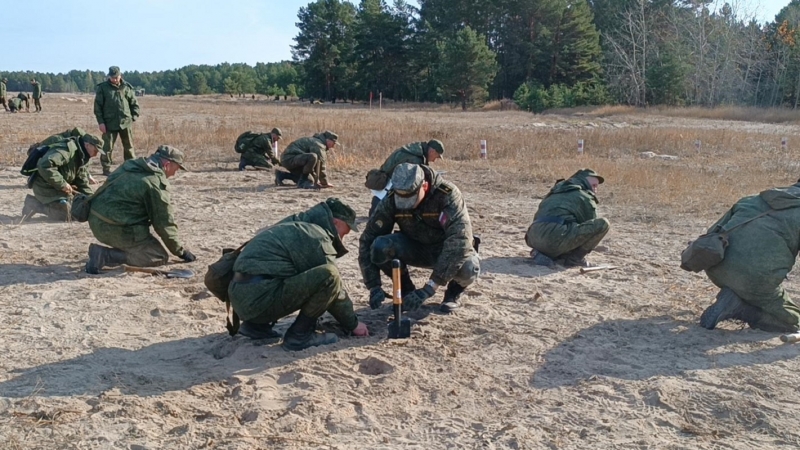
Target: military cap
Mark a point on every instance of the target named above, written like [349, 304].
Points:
[114, 71]
[436, 145]
[406, 181]
[584, 173]
[5, 80]
[343, 212]
[330, 135]
[94, 140]
[277, 132]
[171, 153]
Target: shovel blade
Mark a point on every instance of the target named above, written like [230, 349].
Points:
[179, 273]
[400, 330]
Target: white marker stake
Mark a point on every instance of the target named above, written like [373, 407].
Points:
[275, 148]
[697, 144]
[580, 146]
[784, 143]
[484, 154]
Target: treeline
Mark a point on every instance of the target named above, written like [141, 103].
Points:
[541, 53]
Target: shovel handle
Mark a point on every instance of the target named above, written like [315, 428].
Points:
[790, 338]
[143, 270]
[397, 295]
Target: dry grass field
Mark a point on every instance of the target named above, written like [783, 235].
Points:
[537, 358]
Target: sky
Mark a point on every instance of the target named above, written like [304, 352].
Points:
[57, 36]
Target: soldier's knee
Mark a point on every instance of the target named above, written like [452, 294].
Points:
[469, 271]
[603, 225]
[382, 251]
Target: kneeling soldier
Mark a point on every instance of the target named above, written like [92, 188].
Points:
[306, 159]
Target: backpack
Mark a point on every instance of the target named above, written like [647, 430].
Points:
[244, 140]
[29, 166]
[218, 278]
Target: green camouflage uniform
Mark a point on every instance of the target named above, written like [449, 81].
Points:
[117, 108]
[3, 93]
[14, 104]
[37, 95]
[121, 215]
[292, 267]
[761, 253]
[414, 153]
[436, 235]
[58, 137]
[567, 220]
[64, 164]
[259, 153]
[307, 156]
[23, 97]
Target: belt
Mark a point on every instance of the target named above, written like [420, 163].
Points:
[104, 218]
[550, 219]
[246, 278]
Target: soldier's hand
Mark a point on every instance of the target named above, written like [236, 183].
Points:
[67, 190]
[360, 330]
[92, 180]
[102, 128]
[415, 299]
[376, 297]
[188, 256]
[325, 186]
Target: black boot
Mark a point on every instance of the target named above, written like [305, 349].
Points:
[258, 330]
[100, 257]
[305, 182]
[576, 258]
[451, 300]
[727, 306]
[540, 259]
[31, 207]
[243, 164]
[279, 177]
[302, 335]
[765, 321]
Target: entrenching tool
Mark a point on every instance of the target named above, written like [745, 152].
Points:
[174, 273]
[791, 338]
[399, 328]
[596, 268]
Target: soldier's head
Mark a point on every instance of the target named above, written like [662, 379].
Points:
[330, 139]
[171, 159]
[276, 134]
[409, 185]
[114, 75]
[434, 151]
[92, 144]
[592, 178]
[33, 80]
[344, 218]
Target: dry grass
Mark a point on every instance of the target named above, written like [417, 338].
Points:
[739, 113]
[734, 159]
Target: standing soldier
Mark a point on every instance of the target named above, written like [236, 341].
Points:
[37, 95]
[257, 149]
[307, 157]
[435, 233]
[115, 108]
[3, 92]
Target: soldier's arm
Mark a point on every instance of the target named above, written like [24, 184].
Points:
[457, 245]
[380, 224]
[98, 105]
[82, 181]
[133, 104]
[48, 168]
[322, 166]
[162, 218]
[342, 310]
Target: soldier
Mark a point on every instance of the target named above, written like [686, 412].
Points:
[115, 108]
[133, 198]
[307, 157]
[60, 173]
[565, 228]
[3, 92]
[58, 137]
[37, 95]
[258, 151]
[290, 266]
[435, 232]
[762, 248]
[14, 105]
[23, 97]
[414, 153]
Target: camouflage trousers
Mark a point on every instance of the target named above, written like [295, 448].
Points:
[3, 102]
[555, 240]
[301, 164]
[37, 103]
[255, 159]
[141, 248]
[109, 138]
[57, 210]
[767, 295]
[313, 292]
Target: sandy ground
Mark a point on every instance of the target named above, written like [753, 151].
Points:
[537, 358]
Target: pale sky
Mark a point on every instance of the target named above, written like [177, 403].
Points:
[151, 35]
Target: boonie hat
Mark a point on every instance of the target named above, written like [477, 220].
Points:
[343, 212]
[406, 181]
[172, 154]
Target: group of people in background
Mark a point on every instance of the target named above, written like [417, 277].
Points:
[15, 104]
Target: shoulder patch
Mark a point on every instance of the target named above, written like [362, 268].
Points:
[444, 188]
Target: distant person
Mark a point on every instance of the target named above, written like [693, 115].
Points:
[257, 149]
[415, 153]
[3, 93]
[25, 99]
[14, 105]
[565, 228]
[759, 256]
[37, 94]
[60, 173]
[115, 108]
[306, 161]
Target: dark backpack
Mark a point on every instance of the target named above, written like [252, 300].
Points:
[29, 167]
[244, 140]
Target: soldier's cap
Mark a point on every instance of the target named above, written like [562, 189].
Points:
[406, 181]
[277, 132]
[584, 173]
[5, 80]
[330, 135]
[436, 145]
[171, 153]
[114, 71]
[94, 140]
[343, 212]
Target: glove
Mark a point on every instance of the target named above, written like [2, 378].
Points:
[415, 299]
[188, 256]
[376, 297]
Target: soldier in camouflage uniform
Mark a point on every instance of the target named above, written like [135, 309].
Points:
[115, 108]
[435, 232]
[306, 159]
[133, 198]
[260, 153]
[37, 95]
[60, 173]
[290, 266]
[565, 228]
[23, 98]
[58, 137]
[759, 255]
[14, 105]
[3, 92]
[424, 153]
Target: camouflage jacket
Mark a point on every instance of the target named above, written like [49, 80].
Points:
[571, 200]
[315, 145]
[413, 153]
[441, 219]
[22, 96]
[64, 135]
[262, 145]
[3, 89]
[115, 106]
[139, 197]
[37, 90]
[15, 103]
[63, 164]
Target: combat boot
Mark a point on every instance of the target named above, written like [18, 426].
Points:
[764, 321]
[303, 334]
[727, 306]
[451, 298]
[305, 182]
[280, 176]
[100, 257]
[576, 258]
[243, 164]
[540, 259]
[258, 330]
[31, 207]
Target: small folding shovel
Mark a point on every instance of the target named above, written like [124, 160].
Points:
[399, 328]
[174, 273]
